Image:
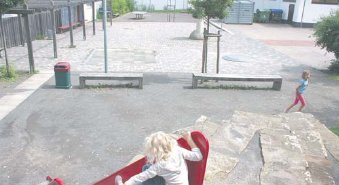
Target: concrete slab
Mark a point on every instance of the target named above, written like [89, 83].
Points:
[284, 162]
[320, 170]
[11, 101]
[297, 43]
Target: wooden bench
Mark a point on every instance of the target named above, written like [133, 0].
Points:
[139, 15]
[66, 26]
[110, 76]
[276, 79]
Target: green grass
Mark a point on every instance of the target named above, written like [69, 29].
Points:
[40, 37]
[111, 86]
[20, 77]
[334, 77]
[12, 73]
[235, 87]
[335, 131]
[168, 11]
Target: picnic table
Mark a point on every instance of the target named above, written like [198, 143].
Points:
[139, 14]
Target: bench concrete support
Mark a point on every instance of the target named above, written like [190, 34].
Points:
[139, 15]
[110, 76]
[276, 79]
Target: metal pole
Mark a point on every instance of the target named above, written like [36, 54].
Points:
[175, 4]
[206, 51]
[218, 51]
[105, 32]
[93, 16]
[70, 25]
[102, 19]
[83, 21]
[204, 66]
[55, 48]
[302, 15]
[203, 57]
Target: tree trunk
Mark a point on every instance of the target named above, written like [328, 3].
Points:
[4, 44]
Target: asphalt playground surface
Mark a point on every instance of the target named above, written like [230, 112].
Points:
[82, 135]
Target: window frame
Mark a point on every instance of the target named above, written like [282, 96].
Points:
[324, 2]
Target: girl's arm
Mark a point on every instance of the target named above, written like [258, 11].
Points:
[189, 140]
[195, 154]
[139, 178]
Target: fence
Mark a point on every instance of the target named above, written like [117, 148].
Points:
[39, 24]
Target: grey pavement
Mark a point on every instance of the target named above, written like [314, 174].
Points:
[83, 135]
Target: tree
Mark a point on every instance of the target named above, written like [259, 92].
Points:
[5, 5]
[327, 36]
[120, 6]
[211, 9]
[130, 5]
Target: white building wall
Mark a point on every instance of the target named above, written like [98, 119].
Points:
[160, 4]
[88, 11]
[272, 4]
[312, 12]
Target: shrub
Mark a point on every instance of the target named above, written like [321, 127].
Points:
[12, 72]
[120, 6]
[40, 37]
[327, 33]
[210, 9]
[327, 36]
[334, 66]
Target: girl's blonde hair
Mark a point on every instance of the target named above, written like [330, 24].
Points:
[305, 74]
[158, 146]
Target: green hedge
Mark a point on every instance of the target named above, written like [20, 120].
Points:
[122, 6]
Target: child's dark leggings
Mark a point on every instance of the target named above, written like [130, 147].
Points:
[157, 180]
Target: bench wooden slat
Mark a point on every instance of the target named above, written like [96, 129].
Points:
[110, 76]
[206, 75]
[276, 79]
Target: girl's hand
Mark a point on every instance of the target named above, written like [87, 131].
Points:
[187, 136]
[118, 180]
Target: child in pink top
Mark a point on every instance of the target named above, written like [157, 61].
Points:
[300, 91]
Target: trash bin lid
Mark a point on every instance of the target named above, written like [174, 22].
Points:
[276, 10]
[62, 67]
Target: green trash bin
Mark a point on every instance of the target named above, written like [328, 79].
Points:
[276, 15]
[263, 16]
[62, 71]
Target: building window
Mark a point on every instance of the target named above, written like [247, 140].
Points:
[292, 1]
[325, 1]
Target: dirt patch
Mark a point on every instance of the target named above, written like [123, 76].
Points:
[8, 86]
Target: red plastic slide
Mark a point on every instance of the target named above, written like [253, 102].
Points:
[196, 170]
